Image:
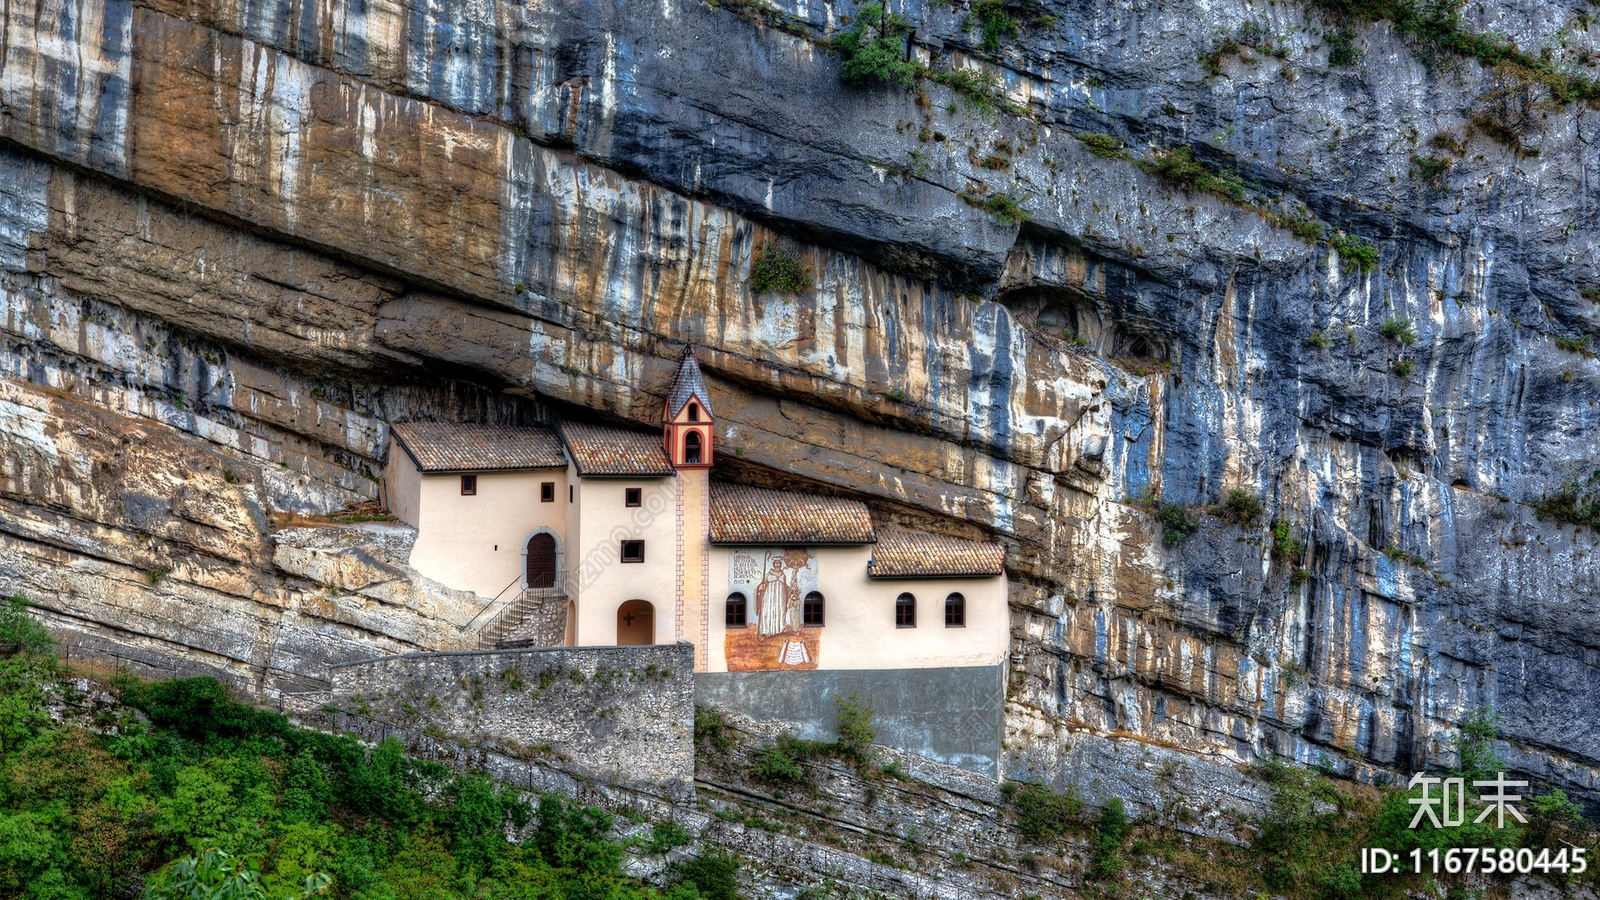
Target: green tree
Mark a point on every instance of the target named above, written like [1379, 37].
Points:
[874, 48]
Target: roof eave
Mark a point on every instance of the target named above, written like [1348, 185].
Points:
[793, 542]
[908, 575]
[486, 469]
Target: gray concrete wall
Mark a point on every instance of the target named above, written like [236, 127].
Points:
[951, 715]
[620, 714]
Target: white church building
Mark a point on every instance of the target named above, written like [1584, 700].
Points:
[620, 536]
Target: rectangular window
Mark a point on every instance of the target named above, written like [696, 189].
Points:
[570, 489]
[736, 611]
[547, 492]
[633, 497]
[633, 551]
[469, 485]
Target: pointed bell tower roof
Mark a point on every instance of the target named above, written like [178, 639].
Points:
[686, 384]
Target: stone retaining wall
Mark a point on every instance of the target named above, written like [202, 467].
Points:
[619, 714]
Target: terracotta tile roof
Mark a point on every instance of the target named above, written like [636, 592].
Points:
[688, 382]
[747, 515]
[600, 450]
[455, 447]
[912, 554]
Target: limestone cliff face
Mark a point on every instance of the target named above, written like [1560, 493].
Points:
[239, 238]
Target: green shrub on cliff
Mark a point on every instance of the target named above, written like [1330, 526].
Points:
[1044, 816]
[1177, 523]
[874, 48]
[1105, 846]
[775, 269]
[1576, 502]
[854, 730]
[998, 25]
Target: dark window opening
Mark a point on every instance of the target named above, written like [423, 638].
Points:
[691, 448]
[633, 497]
[811, 610]
[547, 492]
[736, 610]
[694, 412]
[469, 485]
[570, 490]
[905, 611]
[633, 551]
[955, 611]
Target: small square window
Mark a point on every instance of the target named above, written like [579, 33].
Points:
[633, 496]
[633, 551]
[469, 485]
[547, 492]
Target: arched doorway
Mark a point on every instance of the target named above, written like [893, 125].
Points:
[636, 623]
[541, 561]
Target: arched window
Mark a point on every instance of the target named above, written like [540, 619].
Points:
[736, 610]
[694, 412]
[691, 447]
[955, 611]
[905, 611]
[811, 611]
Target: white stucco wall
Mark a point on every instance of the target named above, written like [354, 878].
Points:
[859, 630]
[601, 581]
[402, 485]
[476, 543]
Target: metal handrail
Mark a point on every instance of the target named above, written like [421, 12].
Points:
[492, 601]
[557, 589]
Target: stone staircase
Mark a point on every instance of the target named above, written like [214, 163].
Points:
[538, 618]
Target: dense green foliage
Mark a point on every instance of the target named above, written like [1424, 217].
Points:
[774, 269]
[1180, 168]
[711, 729]
[1354, 252]
[1284, 544]
[853, 727]
[216, 875]
[1399, 330]
[217, 799]
[874, 48]
[1577, 502]
[1105, 845]
[998, 25]
[1177, 523]
[1007, 210]
[1103, 145]
[1043, 816]
[780, 763]
[1241, 507]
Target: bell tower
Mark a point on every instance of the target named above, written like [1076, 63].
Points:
[686, 429]
[686, 419]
